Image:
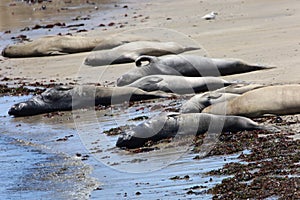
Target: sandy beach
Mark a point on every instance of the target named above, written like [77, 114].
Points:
[259, 31]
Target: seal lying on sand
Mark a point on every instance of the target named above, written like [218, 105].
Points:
[179, 84]
[277, 100]
[68, 97]
[185, 65]
[130, 52]
[174, 124]
[60, 45]
[200, 101]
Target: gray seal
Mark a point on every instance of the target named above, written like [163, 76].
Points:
[179, 84]
[274, 100]
[61, 45]
[185, 65]
[169, 125]
[63, 98]
[131, 51]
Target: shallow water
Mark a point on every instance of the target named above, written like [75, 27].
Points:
[38, 162]
[22, 15]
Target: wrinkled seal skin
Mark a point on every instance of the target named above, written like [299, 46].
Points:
[185, 65]
[170, 125]
[131, 51]
[274, 100]
[60, 45]
[67, 98]
[179, 84]
[200, 101]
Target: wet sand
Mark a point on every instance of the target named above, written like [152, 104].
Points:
[260, 32]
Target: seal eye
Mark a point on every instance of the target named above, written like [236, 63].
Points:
[47, 96]
[21, 106]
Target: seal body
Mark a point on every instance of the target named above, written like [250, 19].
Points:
[276, 100]
[179, 84]
[169, 125]
[131, 51]
[67, 98]
[60, 45]
[185, 65]
[200, 101]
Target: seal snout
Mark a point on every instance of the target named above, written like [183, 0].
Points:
[15, 109]
[129, 140]
[87, 61]
[24, 109]
[123, 140]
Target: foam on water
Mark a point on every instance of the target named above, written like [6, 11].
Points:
[31, 168]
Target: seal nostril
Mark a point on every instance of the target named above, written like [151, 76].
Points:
[12, 110]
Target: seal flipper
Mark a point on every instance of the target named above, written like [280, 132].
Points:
[151, 84]
[150, 59]
[56, 53]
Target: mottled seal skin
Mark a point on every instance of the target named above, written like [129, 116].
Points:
[60, 45]
[169, 125]
[185, 65]
[200, 101]
[274, 100]
[131, 51]
[63, 98]
[179, 84]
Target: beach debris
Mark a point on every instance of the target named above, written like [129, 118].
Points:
[74, 25]
[88, 17]
[210, 16]
[20, 38]
[25, 29]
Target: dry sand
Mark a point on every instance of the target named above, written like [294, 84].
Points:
[260, 31]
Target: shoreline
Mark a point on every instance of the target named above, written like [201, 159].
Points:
[252, 31]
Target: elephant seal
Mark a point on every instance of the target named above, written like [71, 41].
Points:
[179, 84]
[185, 65]
[200, 101]
[130, 52]
[169, 125]
[274, 100]
[60, 45]
[63, 98]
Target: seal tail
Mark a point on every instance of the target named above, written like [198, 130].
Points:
[260, 67]
[191, 48]
[269, 128]
[150, 59]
